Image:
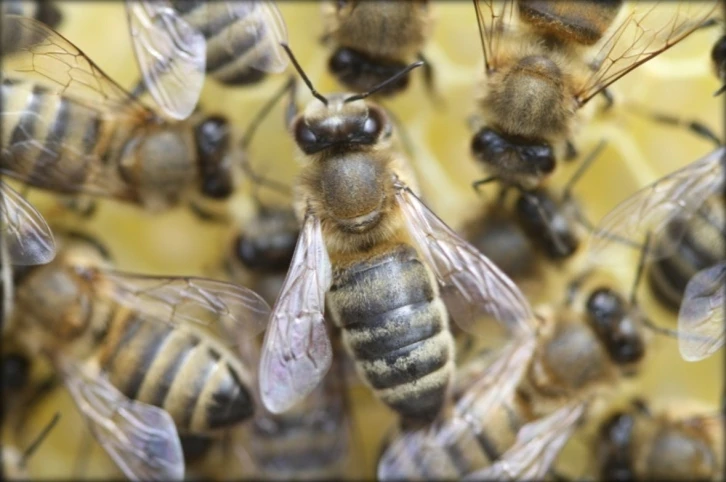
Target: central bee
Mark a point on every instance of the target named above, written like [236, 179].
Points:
[376, 251]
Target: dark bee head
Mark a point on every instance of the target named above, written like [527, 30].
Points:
[340, 124]
[360, 72]
[547, 224]
[269, 242]
[515, 161]
[614, 447]
[213, 140]
[15, 372]
[617, 325]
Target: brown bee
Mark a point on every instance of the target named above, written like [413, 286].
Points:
[545, 60]
[372, 42]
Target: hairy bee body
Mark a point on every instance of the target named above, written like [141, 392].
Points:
[191, 375]
[692, 244]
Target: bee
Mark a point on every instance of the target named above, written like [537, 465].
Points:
[14, 461]
[374, 41]
[71, 129]
[135, 355]
[358, 252]
[236, 42]
[684, 214]
[45, 11]
[718, 59]
[636, 444]
[544, 60]
[481, 438]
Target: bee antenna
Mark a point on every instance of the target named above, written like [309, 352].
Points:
[584, 166]
[305, 78]
[39, 439]
[720, 91]
[390, 80]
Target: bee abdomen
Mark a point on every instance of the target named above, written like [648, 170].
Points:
[396, 328]
[175, 369]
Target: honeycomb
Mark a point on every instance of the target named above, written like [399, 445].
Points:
[177, 243]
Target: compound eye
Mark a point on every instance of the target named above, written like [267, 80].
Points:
[487, 144]
[213, 136]
[217, 186]
[373, 123]
[342, 60]
[304, 136]
[15, 371]
[543, 158]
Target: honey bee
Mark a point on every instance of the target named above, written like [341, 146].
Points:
[70, 129]
[684, 213]
[544, 60]
[362, 229]
[638, 445]
[236, 42]
[134, 355]
[718, 58]
[14, 461]
[483, 438]
[374, 41]
[26, 236]
[45, 11]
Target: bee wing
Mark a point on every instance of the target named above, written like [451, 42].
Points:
[47, 59]
[471, 284]
[171, 55]
[296, 352]
[30, 240]
[538, 444]
[650, 210]
[649, 29]
[237, 311]
[433, 445]
[701, 316]
[140, 438]
[493, 17]
[261, 24]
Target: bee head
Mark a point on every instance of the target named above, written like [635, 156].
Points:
[212, 140]
[617, 325]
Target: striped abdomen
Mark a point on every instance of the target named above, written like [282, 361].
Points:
[395, 327]
[53, 142]
[232, 38]
[191, 376]
[702, 245]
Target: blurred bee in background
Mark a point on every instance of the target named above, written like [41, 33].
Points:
[636, 444]
[45, 11]
[372, 42]
[718, 57]
[72, 130]
[485, 435]
[176, 42]
[361, 227]
[685, 215]
[134, 354]
[14, 460]
[544, 60]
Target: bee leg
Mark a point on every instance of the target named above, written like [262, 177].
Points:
[609, 99]
[476, 185]
[571, 152]
[694, 126]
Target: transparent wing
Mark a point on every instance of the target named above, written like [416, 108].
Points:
[261, 23]
[238, 312]
[651, 209]
[471, 284]
[432, 446]
[701, 323]
[538, 444]
[494, 17]
[47, 59]
[649, 29]
[140, 438]
[171, 55]
[296, 352]
[30, 240]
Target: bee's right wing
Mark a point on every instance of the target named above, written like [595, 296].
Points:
[30, 240]
[171, 54]
[56, 109]
[537, 446]
[650, 210]
[494, 17]
[296, 352]
[701, 323]
[434, 445]
[140, 438]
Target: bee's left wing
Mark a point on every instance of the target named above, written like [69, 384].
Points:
[701, 323]
[238, 312]
[471, 284]
[171, 55]
[538, 444]
[30, 240]
[648, 29]
[140, 438]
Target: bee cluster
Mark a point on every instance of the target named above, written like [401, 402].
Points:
[427, 293]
